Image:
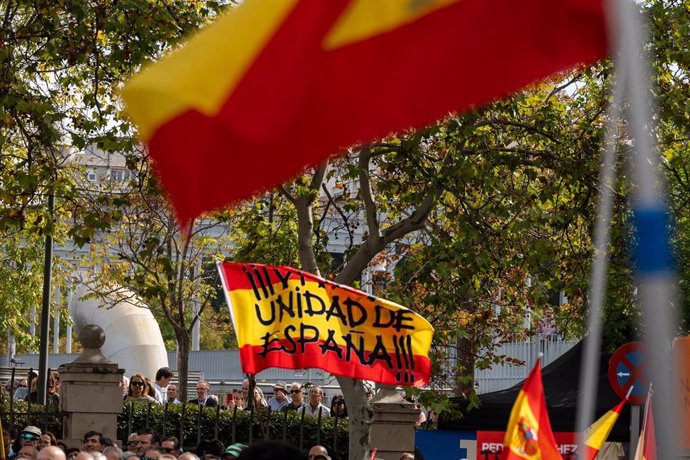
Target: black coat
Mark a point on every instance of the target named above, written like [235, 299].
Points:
[210, 402]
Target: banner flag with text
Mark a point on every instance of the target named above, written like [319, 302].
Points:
[274, 86]
[291, 319]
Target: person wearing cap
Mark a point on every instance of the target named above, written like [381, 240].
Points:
[30, 436]
[318, 453]
[233, 451]
[280, 397]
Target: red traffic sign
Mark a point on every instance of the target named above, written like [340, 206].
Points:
[628, 369]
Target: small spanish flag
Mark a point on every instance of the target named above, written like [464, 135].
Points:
[599, 431]
[529, 435]
[646, 448]
[291, 319]
[274, 86]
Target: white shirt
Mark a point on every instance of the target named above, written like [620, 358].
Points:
[325, 411]
[274, 404]
[161, 393]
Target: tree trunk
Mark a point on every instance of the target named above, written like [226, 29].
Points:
[464, 380]
[183, 343]
[305, 232]
[359, 416]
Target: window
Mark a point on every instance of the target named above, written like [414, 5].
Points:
[118, 175]
[91, 176]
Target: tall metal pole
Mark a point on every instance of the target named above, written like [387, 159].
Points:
[45, 312]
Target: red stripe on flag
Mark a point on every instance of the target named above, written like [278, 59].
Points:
[314, 357]
[298, 104]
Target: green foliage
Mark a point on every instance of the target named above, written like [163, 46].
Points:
[46, 417]
[266, 232]
[232, 426]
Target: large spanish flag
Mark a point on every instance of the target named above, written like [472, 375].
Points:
[599, 431]
[276, 85]
[529, 435]
[295, 320]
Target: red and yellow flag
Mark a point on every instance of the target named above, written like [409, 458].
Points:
[599, 431]
[277, 85]
[295, 320]
[646, 448]
[529, 435]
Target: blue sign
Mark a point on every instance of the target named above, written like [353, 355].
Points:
[628, 372]
[447, 445]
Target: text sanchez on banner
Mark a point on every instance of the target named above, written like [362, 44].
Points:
[290, 319]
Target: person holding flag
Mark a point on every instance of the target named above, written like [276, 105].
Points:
[529, 435]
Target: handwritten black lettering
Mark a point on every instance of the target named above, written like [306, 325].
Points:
[331, 345]
[283, 280]
[268, 341]
[353, 305]
[380, 353]
[311, 308]
[265, 322]
[335, 310]
[303, 340]
[290, 341]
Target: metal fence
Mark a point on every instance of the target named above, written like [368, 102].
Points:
[19, 414]
[193, 424]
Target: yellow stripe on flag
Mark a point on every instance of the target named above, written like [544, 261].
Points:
[523, 421]
[323, 312]
[243, 33]
[295, 320]
[599, 431]
[366, 18]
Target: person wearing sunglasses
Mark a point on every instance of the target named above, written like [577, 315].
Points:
[132, 442]
[137, 389]
[171, 445]
[297, 395]
[338, 407]
[30, 436]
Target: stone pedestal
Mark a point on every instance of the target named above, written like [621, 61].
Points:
[393, 425]
[90, 394]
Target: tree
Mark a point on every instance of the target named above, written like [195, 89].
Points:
[172, 270]
[61, 66]
[488, 196]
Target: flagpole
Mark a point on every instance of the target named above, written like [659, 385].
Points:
[589, 366]
[653, 260]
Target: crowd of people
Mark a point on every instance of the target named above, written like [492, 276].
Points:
[138, 387]
[32, 444]
[294, 397]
